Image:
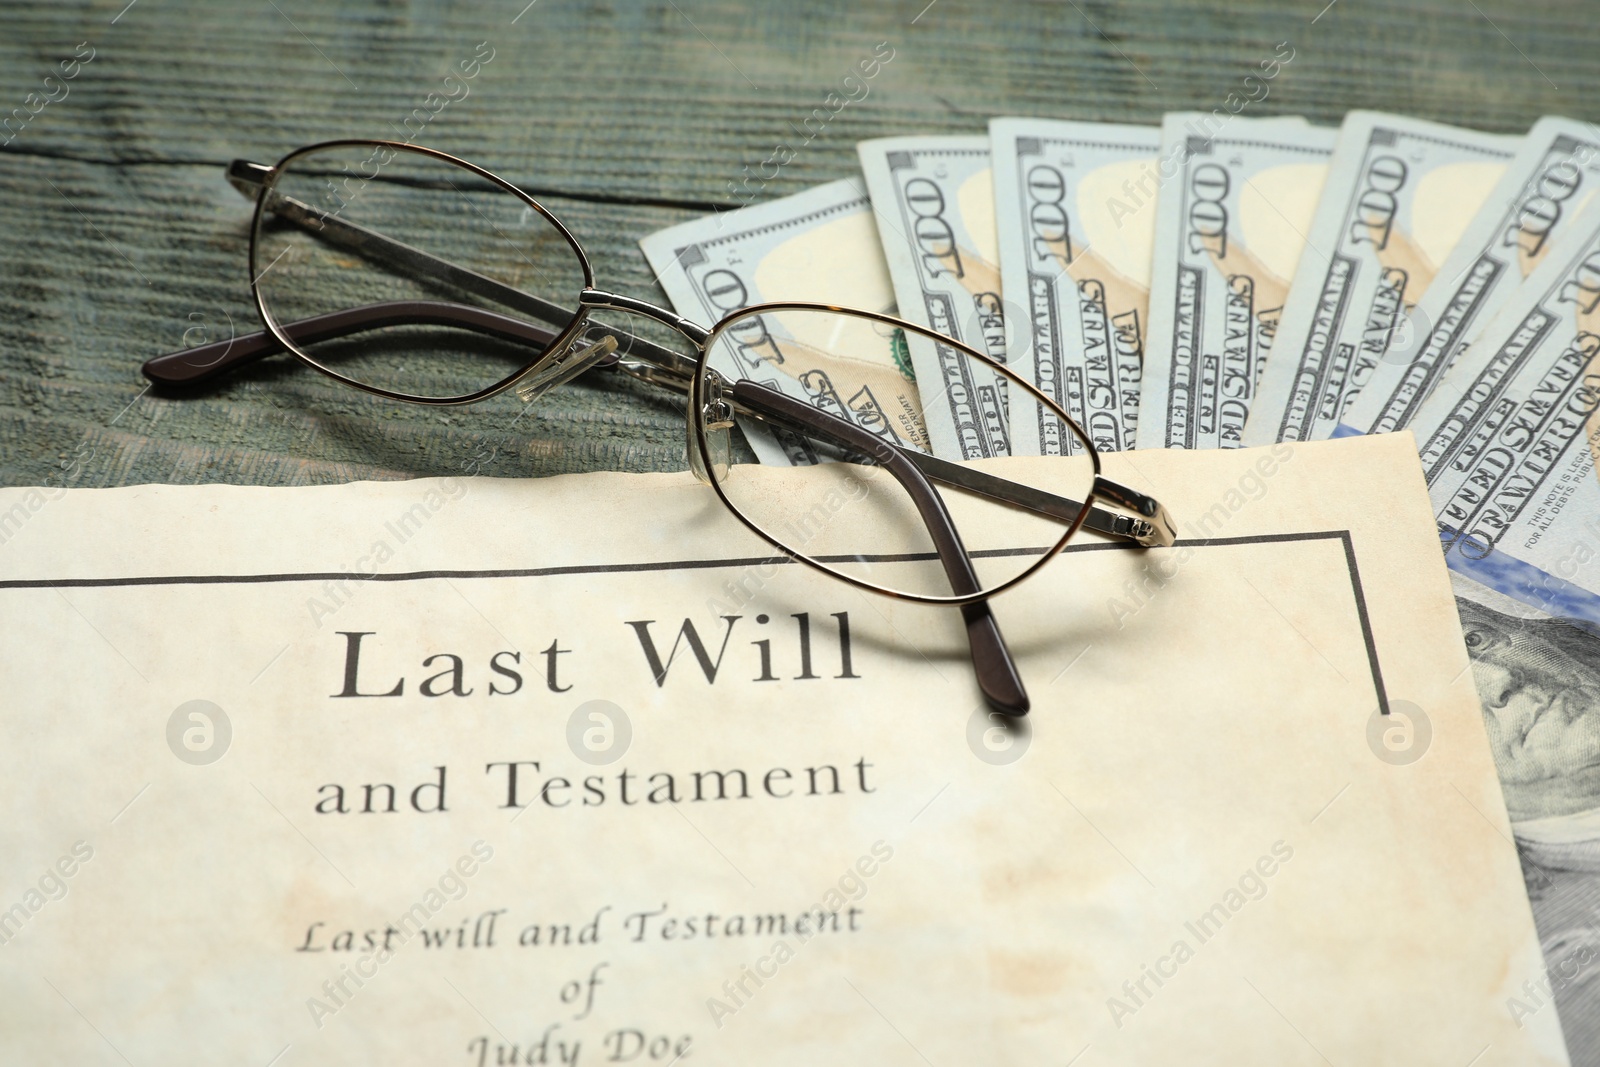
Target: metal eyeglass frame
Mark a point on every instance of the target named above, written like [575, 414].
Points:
[713, 401]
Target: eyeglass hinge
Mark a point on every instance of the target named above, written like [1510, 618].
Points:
[248, 177]
[716, 412]
[1152, 528]
[1135, 529]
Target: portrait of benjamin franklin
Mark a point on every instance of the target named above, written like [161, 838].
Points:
[1539, 682]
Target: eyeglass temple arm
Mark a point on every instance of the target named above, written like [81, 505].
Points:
[193, 366]
[1152, 529]
[991, 660]
[203, 363]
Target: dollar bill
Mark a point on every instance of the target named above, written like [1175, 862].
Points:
[1234, 208]
[819, 246]
[1400, 191]
[1075, 261]
[1552, 177]
[1507, 440]
[933, 198]
[1538, 677]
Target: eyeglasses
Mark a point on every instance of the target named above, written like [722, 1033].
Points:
[417, 276]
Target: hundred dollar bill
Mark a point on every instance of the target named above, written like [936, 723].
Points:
[1233, 211]
[1545, 187]
[933, 198]
[1508, 439]
[1075, 261]
[1400, 192]
[819, 246]
[1538, 677]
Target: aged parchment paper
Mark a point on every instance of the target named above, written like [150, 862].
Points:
[1207, 850]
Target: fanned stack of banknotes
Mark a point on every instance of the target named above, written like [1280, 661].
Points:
[1221, 281]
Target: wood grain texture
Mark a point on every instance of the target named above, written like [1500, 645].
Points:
[119, 233]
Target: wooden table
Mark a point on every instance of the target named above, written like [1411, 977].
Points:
[122, 240]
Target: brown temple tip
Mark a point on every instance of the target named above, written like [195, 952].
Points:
[997, 673]
[194, 366]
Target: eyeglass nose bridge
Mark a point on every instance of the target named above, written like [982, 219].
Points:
[714, 416]
[599, 300]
